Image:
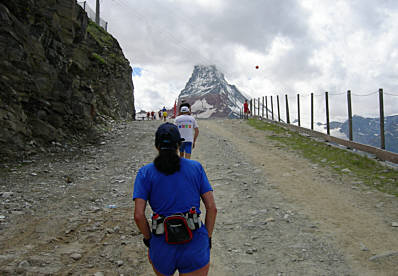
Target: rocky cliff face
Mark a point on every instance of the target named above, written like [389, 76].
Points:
[60, 75]
[210, 95]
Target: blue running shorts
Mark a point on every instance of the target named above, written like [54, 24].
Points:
[186, 147]
[188, 257]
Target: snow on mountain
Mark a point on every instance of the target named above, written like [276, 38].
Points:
[367, 131]
[210, 95]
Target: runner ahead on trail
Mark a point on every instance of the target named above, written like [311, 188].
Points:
[174, 186]
[184, 103]
[164, 113]
[189, 130]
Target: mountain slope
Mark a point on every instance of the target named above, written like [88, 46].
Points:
[367, 131]
[210, 95]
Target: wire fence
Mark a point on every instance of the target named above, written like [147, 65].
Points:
[367, 118]
[92, 14]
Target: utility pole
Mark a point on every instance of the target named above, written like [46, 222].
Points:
[97, 13]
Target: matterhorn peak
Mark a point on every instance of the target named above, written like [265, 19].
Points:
[210, 95]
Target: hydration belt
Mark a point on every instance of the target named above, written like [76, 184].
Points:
[192, 220]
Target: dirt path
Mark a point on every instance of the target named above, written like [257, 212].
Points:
[353, 220]
[70, 213]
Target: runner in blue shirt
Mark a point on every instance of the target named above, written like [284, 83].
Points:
[174, 186]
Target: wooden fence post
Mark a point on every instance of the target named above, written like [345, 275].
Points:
[349, 115]
[251, 107]
[97, 13]
[258, 107]
[266, 107]
[287, 110]
[272, 109]
[312, 111]
[381, 107]
[254, 107]
[298, 109]
[327, 113]
[258, 103]
[279, 111]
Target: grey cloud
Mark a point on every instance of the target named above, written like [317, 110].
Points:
[369, 14]
[176, 35]
[295, 64]
[256, 23]
[160, 30]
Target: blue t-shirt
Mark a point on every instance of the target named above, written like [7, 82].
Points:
[175, 193]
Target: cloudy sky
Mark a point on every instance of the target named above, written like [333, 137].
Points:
[300, 46]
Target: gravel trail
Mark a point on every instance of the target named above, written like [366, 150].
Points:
[323, 223]
[69, 212]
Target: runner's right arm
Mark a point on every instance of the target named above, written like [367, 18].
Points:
[211, 211]
[140, 218]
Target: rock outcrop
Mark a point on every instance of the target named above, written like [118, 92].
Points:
[60, 75]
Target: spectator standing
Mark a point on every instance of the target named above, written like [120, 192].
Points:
[246, 110]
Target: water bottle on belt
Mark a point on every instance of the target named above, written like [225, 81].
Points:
[157, 225]
[195, 219]
[190, 219]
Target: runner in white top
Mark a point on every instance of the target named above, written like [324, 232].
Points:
[189, 130]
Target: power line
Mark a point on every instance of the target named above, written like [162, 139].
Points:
[364, 95]
[337, 94]
[389, 94]
[343, 93]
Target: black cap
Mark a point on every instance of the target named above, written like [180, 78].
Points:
[167, 136]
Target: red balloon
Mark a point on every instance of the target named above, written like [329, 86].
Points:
[257, 67]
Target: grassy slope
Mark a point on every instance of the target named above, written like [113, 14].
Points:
[366, 170]
[108, 44]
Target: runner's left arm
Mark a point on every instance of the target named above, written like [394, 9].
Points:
[196, 129]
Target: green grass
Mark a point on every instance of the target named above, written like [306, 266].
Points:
[100, 35]
[108, 44]
[364, 169]
[118, 59]
[98, 58]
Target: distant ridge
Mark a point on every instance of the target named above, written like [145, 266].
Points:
[367, 131]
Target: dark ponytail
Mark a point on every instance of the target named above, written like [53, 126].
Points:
[167, 162]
